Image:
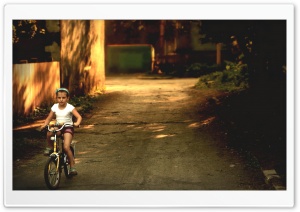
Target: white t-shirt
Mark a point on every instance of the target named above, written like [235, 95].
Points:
[65, 115]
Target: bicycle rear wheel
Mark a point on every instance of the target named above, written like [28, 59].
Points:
[52, 174]
[67, 165]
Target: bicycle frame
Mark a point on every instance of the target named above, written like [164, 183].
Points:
[59, 157]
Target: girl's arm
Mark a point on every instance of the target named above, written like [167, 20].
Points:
[48, 119]
[78, 117]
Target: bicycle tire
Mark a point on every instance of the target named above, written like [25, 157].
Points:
[51, 174]
[67, 165]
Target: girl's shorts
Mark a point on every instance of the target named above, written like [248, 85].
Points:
[69, 130]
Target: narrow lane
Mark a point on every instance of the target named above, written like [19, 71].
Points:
[146, 135]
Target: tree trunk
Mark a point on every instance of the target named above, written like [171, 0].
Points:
[95, 77]
[162, 38]
[82, 56]
[218, 57]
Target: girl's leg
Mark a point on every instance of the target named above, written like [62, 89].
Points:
[49, 142]
[49, 148]
[67, 142]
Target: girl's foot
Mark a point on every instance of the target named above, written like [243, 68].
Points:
[73, 171]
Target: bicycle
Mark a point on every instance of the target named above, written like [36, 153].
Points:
[58, 159]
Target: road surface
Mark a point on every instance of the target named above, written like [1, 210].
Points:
[148, 134]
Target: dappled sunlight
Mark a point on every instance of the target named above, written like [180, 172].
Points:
[154, 101]
[208, 120]
[34, 85]
[90, 126]
[77, 161]
[112, 88]
[202, 123]
[176, 98]
[110, 117]
[158, 130]
[82, 50]
[36, 125]
[194, 125]
[164, 136]
[156, 127]
[82, 153]
[74, 142]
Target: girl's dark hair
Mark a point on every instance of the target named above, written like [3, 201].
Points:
[62, 89]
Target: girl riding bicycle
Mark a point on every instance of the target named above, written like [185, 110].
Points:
[63, 111]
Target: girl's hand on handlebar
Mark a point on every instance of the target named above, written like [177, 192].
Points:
[43, 127]
[75, 124]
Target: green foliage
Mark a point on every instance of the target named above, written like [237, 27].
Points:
[27, 29]
[234, 77]
[41, 111]
[236, 73]
[200, 69]
[83, 103]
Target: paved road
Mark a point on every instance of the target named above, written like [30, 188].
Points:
[146, 135]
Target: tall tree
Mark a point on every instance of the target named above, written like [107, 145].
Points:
[82, 56]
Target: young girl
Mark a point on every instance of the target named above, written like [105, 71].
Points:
[63, 111]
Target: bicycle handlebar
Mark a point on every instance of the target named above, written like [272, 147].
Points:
[61, 125]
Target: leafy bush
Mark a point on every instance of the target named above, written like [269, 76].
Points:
[234, 77]
[84, 103]
[200, 69]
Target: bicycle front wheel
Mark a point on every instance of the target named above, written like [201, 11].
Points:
[52, 174]
[67, 165]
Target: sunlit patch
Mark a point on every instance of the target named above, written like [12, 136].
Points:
[110, 117]
[158, 130]
[81, 153]
[207, 121]
[74, 142]
[164, 136]
[77, 161]
[130, 125]
[193, 125]
[34, 125]
[174, 99]
[90, 126]
[202, 123]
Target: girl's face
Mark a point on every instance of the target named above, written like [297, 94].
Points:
[62, 98]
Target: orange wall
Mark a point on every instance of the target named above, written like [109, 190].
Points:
[34, 85]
